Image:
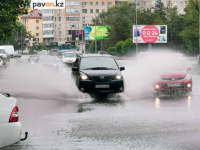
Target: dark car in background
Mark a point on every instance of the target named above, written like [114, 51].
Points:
[96, 73]
[54, 52]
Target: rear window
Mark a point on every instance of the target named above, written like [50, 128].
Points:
[69, 55]
[54, 50]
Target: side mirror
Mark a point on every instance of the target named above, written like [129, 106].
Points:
[74, 69]
[188, 68]
[122, 68]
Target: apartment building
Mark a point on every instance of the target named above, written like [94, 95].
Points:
[33, 23]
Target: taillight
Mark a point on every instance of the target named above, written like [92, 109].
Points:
[57, 52]
[51, 52]
[14, 117]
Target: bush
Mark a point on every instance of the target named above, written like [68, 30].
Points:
[118, 47]
[111, 49]
[41, 47]
[129, 46]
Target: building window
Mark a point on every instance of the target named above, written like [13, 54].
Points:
[91, 10]
[72, 25]
[144, 3]
[175, 3]
[37, 34]
[97, 3]
[186, 2]
[69, 39]
[103, 10]
[103, 3]
[84, 3]
[27, 21]
[84, 10]
[50, 25]
[72, 10]
[72, 18]
[84, 18]
[55, 18]
[59, 32]
[168, 3]
[181, 10]
[37, 28]
[72, 2]
[47, 32]
[69, 32]
[91, 18]
[109, 3]
[59, 18]
[91, 3]
[37, 21]
[55, 26]
[181, 2]
[97, 10]
[59, 26]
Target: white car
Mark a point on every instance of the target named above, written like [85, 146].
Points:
[10, 127]
[68, 57]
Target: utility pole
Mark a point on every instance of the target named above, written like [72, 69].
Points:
[95, 31]
[21, 39]
[199, 26]
[136, 29]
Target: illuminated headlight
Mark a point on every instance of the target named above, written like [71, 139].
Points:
[118, 77]
[188, 77]
[84, 77]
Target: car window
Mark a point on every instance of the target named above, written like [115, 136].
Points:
[76, 62]
[95, 62]
[69, 55]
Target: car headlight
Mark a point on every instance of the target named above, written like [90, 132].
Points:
[188, 77]
[119, 77]
[84, 77]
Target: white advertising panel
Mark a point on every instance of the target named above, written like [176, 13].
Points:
[150, 34]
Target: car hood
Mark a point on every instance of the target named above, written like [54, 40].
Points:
[98, 73]
[172, 73]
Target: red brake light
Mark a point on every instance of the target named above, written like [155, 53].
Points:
[14, 117]
[51, 52]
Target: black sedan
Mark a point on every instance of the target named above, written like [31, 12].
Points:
[96, 73]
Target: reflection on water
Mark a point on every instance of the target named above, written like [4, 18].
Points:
[189, 98]
[157, 102]
[89, 106]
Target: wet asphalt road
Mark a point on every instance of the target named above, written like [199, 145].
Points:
[59, 117]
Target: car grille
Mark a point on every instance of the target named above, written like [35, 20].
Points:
[164, 86]
[173, 79]
[105, 79]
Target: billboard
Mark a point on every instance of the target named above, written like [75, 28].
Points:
[150, 34]
[102, 32]
[78, 33]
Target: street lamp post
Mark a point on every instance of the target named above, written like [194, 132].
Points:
[136, 27]
[95, 31]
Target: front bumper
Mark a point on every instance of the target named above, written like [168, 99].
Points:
[173, 85]
[115, 86]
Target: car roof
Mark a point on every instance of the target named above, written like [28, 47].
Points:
[95, 55]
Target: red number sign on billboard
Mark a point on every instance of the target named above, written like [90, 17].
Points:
[150, 34]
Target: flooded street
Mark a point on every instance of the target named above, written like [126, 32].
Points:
[57, 116]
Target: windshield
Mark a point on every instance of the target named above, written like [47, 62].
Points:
[69, 55]
[169, 65]
[98, 63]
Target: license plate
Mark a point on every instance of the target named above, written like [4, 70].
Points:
[102, 86]
[174, 85]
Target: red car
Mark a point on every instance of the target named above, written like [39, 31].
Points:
[174, 76]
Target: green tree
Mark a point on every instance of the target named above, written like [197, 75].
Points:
[128, 47]
[9, 12]
[111, 49]
[118, 47]
[190, 34]
[160, 9]
[41, 47]
[16, 36]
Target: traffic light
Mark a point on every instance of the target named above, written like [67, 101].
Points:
[76, 41]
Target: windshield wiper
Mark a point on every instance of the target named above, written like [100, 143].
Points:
[99, 68]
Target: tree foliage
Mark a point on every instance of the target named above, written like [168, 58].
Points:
[119, 46]
[42, 47]
[9, 12]
[190, 34]
[128, 46]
